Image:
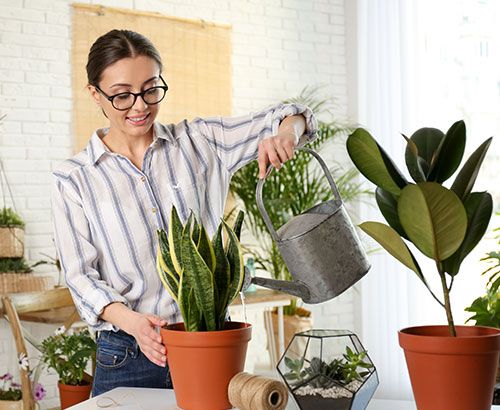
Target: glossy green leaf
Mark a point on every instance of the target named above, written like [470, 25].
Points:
[390, 240]
[427, 141]
[464, 182]
[479, 208]
[388, 205]
[413, 161]
[433, 218]
[449, 154]
[201, 280]
[372, 161]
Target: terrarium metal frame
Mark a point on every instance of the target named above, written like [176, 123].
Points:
[353, 398]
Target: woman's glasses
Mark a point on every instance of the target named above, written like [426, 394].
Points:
[125, 101]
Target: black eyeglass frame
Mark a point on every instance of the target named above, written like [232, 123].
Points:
[110, 98]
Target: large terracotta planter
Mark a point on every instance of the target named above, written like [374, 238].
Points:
[451, 372]
[71, 395]
[203, 363]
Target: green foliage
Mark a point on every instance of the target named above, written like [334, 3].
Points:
[202, 275]
[444, 224]
[486, 309]
[298, 186]
[68, 355]
[9, 218]
[320, 374]
[14, 265]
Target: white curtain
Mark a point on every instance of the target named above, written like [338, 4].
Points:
[423, 63]
[392, 296]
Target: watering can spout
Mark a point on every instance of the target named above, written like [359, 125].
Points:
[292, 288]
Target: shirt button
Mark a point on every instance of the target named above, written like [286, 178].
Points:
[153, 210]
[143, 178]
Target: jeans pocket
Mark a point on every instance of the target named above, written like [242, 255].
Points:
[112, 356]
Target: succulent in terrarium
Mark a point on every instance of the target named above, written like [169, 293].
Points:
[320, 374]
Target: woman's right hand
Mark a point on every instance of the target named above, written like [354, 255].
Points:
[142, 327]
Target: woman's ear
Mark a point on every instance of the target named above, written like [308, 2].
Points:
[94, 94]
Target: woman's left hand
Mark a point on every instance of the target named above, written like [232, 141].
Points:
[276, 151]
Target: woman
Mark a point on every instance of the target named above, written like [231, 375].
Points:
[109, 200]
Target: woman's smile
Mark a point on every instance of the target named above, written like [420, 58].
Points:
[137, 120]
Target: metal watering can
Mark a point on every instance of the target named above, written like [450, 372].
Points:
[320, 247]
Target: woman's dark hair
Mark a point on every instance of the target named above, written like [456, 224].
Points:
[115, 45]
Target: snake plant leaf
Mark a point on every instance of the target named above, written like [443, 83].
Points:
[195, 317]
[206, 249]
[201, 280]
[449, 154]
[166, 260]
[235, 257]
[413, 161]
[479, 207]
[388, 206]
[183, 300]
[372, 161]
[222, 273]
[196, 234]
[390, 240]
[466, 178]
[170, 283]
[434, 219]
[175, 239]
[238, 224]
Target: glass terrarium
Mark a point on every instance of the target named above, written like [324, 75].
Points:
[328, 369]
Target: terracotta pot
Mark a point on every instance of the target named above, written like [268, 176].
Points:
[451, 372]
[203, 363]
[71, 395]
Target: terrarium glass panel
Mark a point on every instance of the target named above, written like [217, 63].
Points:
[328, 369]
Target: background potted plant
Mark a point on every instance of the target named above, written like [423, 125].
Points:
[11, 393]
[453, 366]
[297, 186]
[69, 355]
[486, 308]
[203, 276]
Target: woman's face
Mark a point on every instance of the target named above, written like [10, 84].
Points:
[129, 75]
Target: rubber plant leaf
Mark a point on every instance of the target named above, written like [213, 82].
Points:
[434, 219]
[464, 182]
[388, 206]
[479, 208]
[413, 161]
[372, 161]
[427, 141]
[449, 154]
[390, 240]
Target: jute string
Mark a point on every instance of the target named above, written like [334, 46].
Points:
[251, 392]
[106, 402]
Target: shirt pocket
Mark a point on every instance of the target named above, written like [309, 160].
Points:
[189, 194]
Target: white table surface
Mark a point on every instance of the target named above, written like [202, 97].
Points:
[132, 398]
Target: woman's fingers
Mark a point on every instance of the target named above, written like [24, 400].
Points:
[276, 151]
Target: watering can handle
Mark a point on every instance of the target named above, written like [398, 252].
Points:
[260, 185]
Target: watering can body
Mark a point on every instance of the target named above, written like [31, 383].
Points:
[320, 248]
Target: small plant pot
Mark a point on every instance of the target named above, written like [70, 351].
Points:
[11, 405]
[203, 363]
[451, 372]
[71, 395]
[11, 242]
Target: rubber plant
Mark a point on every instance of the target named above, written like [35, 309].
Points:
[444, 224]
[202, 275]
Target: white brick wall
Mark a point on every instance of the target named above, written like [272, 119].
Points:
[279, 47]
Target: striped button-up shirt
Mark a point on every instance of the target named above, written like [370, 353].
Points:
[106, 211]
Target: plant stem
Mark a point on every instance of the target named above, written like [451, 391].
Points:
[447, 303]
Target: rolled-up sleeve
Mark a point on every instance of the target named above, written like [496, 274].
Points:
[236, 139]
[77, 254]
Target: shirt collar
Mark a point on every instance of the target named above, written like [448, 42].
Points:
[96, 148]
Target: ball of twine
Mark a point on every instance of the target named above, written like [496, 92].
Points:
[250, 392]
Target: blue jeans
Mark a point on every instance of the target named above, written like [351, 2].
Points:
[120, 363]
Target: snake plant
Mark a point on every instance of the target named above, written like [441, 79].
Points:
[202, 275]
[444, 224]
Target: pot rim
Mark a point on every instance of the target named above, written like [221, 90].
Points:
[433, 331]
[238, 328]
